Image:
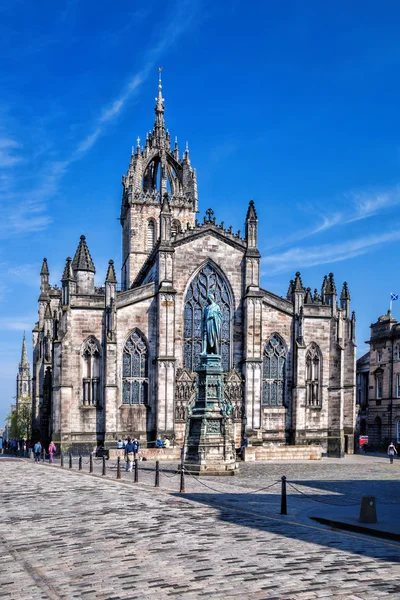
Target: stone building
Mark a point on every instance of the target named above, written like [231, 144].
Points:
[378, 384]
[120, 360]
[24, 380]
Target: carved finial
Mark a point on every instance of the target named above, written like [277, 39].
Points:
[159, 78]
[209, 213]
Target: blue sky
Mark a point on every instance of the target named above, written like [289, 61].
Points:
[293, 104]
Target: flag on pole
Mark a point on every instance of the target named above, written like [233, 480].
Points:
[394, 296]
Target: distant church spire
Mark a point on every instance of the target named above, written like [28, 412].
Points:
[24, 375]
[24, 355]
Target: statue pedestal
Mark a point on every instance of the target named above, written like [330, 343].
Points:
[210, 447]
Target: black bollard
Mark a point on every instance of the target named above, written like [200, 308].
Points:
[182, 490]
[80, 463]
[104, 465]
[70, 460]
[91, 463]
[157, 483]
[119, 467]
[136, 479]
[62, 460]
[283, 497]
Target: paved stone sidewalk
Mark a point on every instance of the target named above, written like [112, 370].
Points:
[67, 535]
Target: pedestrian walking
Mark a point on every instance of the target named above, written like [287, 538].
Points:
[37, 451]
[52, 451]
[391, 452]
[129, 455]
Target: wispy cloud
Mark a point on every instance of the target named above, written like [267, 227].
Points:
[18, 323]
[8, 158]
[31, 215]
[298, 258]
[350, 207]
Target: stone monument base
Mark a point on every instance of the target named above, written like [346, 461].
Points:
[209, 446]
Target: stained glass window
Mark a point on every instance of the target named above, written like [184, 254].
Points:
[313, 376]
[135, 370]
[274, 362]
[207, 281]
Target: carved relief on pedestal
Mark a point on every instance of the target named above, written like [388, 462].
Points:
[233, 391]
[185, 386]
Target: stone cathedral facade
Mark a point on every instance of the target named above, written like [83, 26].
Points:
[121, 359]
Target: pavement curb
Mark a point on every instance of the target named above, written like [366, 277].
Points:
[387, 535]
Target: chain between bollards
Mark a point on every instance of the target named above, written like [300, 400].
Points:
[283, 497]
[119, 467]
[136, 479]
[70, 460]
[62, 460]
[80, 463]
[104, 465]
[157, 483]
[91, 463]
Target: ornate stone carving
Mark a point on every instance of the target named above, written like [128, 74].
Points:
[233, 392]
[185, 386]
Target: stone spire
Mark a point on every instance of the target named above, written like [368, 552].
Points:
[68, 272]
[298, 284]
[159, 124]
[345, 295]
[24, 355]
[308, 297]
[82, 259]
[330, 293]
[111, 277]
[345, 300]
[45, 268]
[24, 375]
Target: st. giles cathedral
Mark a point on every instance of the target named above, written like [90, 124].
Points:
[121, 359]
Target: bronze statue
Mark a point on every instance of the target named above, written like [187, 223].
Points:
[211, 327]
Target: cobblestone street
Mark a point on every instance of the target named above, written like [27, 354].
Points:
[67, 534]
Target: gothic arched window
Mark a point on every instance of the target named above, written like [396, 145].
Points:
[313, 376]
[274, 361]
[151, 235]
[91, 372]
[207, 281]
[135, 380]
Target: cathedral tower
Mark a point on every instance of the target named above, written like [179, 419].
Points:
[154, 170]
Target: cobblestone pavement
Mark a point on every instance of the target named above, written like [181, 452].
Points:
[66, 534]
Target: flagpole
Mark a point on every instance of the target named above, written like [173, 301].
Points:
[391, 303]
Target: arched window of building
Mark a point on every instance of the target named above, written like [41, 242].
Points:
[274, 362]
[313, 376]
[91, 372]
[207, 281]
[175, 227]
[397, 352]
[135, 360]
[151, 235]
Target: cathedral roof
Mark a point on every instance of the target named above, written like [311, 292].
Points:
[82, 259]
